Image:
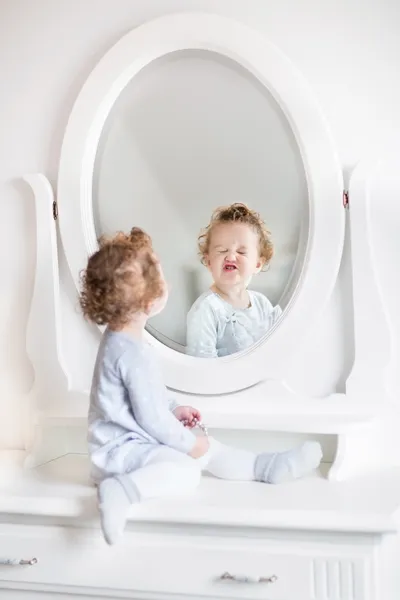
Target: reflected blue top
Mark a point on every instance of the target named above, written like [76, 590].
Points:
[215, 328]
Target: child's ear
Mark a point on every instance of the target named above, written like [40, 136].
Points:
[259, 265]
[148, 308]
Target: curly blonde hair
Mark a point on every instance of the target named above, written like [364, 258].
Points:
[237, 213]
[120, 279]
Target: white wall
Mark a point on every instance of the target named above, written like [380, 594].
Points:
[348, 50]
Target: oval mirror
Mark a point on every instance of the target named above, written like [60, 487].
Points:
[184, 114]
[192, 131]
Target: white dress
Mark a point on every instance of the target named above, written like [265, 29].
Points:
[215, 328]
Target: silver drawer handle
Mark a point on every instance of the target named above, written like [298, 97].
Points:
[17, 562]
[248, 579]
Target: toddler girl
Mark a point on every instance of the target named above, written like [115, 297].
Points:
[228, 317]
[141, 442]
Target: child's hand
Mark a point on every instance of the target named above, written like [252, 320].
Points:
[187, 415]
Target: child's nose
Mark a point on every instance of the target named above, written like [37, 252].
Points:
[231, 256]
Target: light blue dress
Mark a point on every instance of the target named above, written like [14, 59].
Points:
[215, 328]
[130, 411]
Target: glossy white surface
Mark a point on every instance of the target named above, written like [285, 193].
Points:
[367, 504]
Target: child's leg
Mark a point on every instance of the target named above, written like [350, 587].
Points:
[165, 473]
[241, 465]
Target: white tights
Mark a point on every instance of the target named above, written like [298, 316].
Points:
[167, 472]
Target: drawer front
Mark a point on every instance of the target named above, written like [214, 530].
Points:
[217, 567]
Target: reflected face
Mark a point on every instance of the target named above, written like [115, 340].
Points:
[233, 256]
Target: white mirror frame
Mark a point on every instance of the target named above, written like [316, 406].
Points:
[249, 48]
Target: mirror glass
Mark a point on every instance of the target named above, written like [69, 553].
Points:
[192, 132]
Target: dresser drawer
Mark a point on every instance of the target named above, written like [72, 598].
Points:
[212, 566]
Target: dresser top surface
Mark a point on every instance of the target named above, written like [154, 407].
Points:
[61, 489]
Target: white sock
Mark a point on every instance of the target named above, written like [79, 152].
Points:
[113, 506]
[282, 466]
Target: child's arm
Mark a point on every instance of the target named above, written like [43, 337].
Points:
[173, 404]
[275, 315]
[150, 405]
[271, 313]
[201, 333]
[268, 313]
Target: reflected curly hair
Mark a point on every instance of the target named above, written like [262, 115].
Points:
[237, 213]
[121, 278]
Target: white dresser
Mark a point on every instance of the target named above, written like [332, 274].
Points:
[311, 540]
